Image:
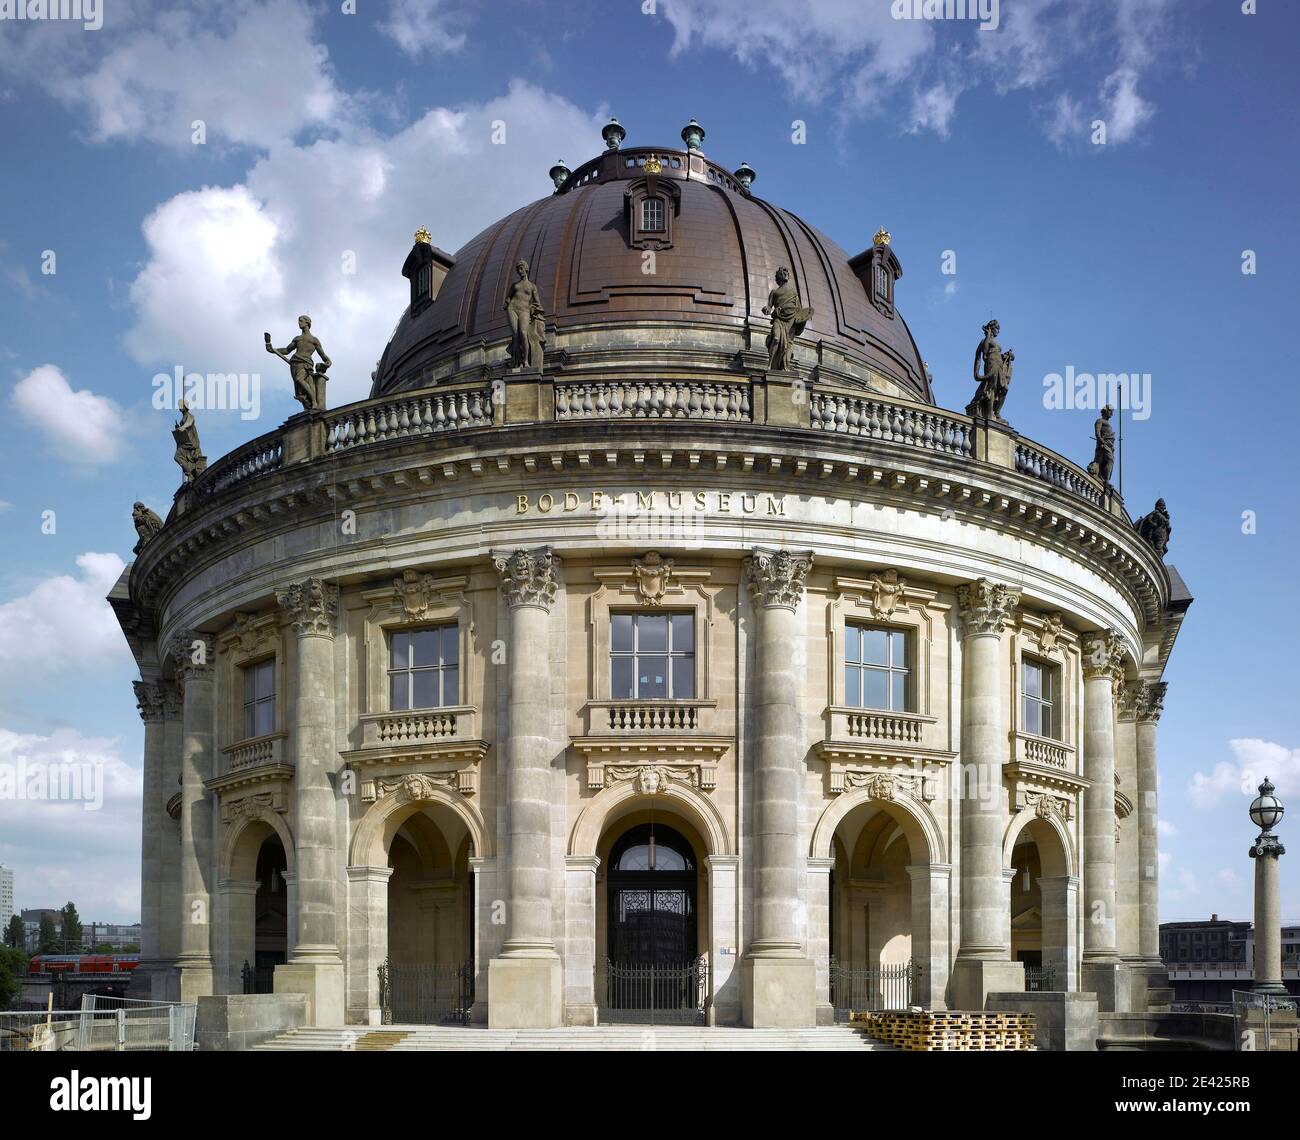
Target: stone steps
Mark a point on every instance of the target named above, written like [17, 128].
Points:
[414, 1038]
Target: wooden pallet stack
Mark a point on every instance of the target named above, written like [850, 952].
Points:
[950, 1031]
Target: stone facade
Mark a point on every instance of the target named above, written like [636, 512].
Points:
[465, 820]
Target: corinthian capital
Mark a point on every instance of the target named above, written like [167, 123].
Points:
[985, 606]
[1103, 654]
[191, 655]
[527, 577]
[1152, 702]
[150, 700]
[776, 577]
[312, 607]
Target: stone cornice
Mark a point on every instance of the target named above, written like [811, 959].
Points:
[776, 577]
[312, 607]
[985, 606]
[527, 577]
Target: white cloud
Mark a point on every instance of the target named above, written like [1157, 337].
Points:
[1165, 829]
[419, 26]
[63, 624]
[1253, 759]
[80, 425]
[227, 264]
[1124, 110]
[1228, 878]
[100, 871]
[251, 71]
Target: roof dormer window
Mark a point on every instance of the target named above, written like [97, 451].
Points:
[652, 203]
[652, 215]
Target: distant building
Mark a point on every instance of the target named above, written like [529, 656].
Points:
[1208, 960]
[6, 897]
[32, 925]
[117, 935]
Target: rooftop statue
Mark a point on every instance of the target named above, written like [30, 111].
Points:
[308, 386]
[189, 455]
[147, 524]
[1156, 528]
[994, 380]
[523, 306]
[1103, 458]
[788, 320]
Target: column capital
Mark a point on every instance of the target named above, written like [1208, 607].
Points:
[1267, 846]
[776, 577]
[1152, 701]
[582, 863]
[528, 577]
[312, 607]
[191, 656]
[1103, 654]
[150, 701]
[985, 606]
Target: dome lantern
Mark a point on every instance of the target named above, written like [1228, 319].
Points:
[745, 175]
[693, 135]
[613, 134]
[559, 174]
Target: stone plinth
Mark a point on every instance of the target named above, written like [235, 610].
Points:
[321, 982]
[240, 1021]
[1111, 982]
[779, 993]
[1067, 1022]
[973, 979]
[525, 993]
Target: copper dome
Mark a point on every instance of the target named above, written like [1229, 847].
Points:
[699, 308]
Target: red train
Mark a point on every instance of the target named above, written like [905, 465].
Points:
[83, 963]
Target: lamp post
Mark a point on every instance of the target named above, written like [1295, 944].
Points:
[1266, 812]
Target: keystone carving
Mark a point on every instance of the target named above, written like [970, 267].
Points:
[776, 577]
[311, 606]
[653, 577]
[415, 591]
[986, 605]
[650, 779]
[1050, 634]
[889, 594]
[528, 579]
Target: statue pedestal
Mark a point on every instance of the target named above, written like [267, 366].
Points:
[529, 396]
[786, 399]
[303, 437]
[995, 442]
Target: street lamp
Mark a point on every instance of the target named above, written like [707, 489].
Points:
[1266, 812]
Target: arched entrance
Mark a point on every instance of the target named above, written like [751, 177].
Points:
[1043, 900]
[654, 968]
[255, 906]
[271, 917]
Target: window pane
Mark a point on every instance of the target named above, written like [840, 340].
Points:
[1031, 680]
[450, 645]
[397, 646]
[1029, 714]
[424, 689]
[898, 649]
[250, 684]
[874, 694]
[853, 686]
[397, 691]
[852, 643]
[684, 678]
[874, 646]
[450, 687]
[620, 633]
[652, 678]
[898, 691]
[266, 679]
[683, 633]
[635, 858]
[1045, 679]
[620, 678]
[265, 717]
[652, 633]
[250, 721]
[425, 644]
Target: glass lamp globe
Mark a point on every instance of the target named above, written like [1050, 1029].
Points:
[1266, 810]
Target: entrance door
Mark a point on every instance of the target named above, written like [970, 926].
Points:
[653, 972]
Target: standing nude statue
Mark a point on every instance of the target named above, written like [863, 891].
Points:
[308, 386]
[523, 306]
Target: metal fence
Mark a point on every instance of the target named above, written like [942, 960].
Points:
[1042, 979]
[258, 979]
[1266, 1023]
[863, 989]
[673, 994]
[426, 995]
[102, 1024]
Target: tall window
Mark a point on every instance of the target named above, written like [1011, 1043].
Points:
[652, 215]
[424, 668]
[652, 656]
[877, 670]
[1038, 697]
[259, 698]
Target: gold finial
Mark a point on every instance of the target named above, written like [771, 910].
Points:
[422, 235]
[882, 236]
[653, 165]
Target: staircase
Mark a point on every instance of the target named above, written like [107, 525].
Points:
[416, 1038]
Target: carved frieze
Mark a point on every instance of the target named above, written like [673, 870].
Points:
[528, 577]
[258, 805]
[985, 605]
[414, 787]
[883, 785]
[776, 577]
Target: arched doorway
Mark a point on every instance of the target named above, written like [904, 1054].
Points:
[254, 918]
[653, 969]
[270, 917]
[1042, 906]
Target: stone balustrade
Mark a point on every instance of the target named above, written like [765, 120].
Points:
[898, 728]
[416, 414]
[652, 400]
[1049, 753]
[1039, 463]
[401, 728]
[653, 718]
[257, 457]
[911, 425]
[261, 751]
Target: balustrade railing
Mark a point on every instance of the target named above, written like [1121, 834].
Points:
[266, 453]
[425, 413]
[885, 726]
[1039, 751]
[401, 727]
[1039, 464]
[589, 400]
[255, 753]
[893, 423]
[653, 718]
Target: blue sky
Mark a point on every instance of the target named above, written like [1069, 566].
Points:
[328, 133]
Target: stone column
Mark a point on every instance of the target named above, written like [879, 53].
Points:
[525, 986]
[236, 933]
[1126, 834]
[149, 700]
[580, 939]
[315, 967]
[779, 984]
[192, 655]
[1267, 851]
[724, 937]
[169, 841]
[930, 884]
[1102, 971]
[367, 941]
[489, 930]
[1149, 709]
[1060, 928]
[819, 932]
[983, 963]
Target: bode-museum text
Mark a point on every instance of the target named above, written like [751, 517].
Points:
[740, 502]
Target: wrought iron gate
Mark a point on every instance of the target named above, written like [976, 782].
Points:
[633, 994]
[426, 995]
[880, 987]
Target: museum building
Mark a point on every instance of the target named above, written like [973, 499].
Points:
[650, 645]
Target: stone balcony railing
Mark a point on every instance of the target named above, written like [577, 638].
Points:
[257, 752]
[1044, 752]
[421, 726]
[899, 732]
[654, 400]
[649, 718]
